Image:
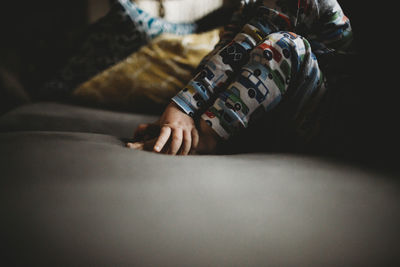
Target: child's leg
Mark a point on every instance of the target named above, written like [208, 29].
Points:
[281, 69]
[121, 32]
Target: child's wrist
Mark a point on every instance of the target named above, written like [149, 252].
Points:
[174, 105]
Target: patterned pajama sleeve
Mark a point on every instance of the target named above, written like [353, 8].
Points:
[282, 65]
[266, 62]
[223, 65]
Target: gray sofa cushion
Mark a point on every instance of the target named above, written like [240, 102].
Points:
[83, 199]
[49, 116]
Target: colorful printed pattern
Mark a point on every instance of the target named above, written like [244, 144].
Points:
[265, 79]
[266, 61]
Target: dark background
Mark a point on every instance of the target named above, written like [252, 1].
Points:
[38, 36]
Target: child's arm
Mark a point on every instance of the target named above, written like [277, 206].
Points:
[214, 74]
[248, 28]
[325, 25]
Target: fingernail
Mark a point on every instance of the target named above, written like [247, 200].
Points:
[157, 148]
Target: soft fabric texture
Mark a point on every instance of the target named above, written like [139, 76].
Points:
[148, 79]
[72, 194]
[81, 199]
[50, 116]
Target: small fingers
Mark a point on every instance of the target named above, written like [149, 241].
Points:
[176, 141]
[195, 139]
[187, 143]
[162, 139]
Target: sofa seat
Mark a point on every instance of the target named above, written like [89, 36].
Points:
[49, 116]
[73, 195]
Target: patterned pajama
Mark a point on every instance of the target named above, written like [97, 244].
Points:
[266, 63]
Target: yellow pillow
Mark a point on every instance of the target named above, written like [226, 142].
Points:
[146, 80]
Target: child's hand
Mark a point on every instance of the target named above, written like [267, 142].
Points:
[178, 133]
[175, 133]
